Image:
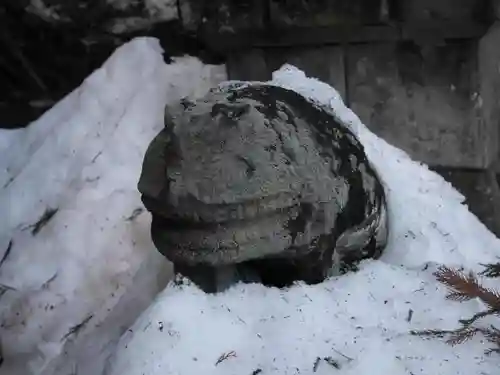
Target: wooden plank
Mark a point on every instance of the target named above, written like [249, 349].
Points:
[424, 101]
[325, 63]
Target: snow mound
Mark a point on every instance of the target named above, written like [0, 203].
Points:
[79, 264]
[359, 323]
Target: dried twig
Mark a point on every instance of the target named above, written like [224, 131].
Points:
[7, 252]
[343, 355]
[11, 180]
[225, 356]
[332, 362]
[409, 316]
[44, 219]
[4, 288]
[46, 284]
[77, 328]
[431, 332]
[316, 364]
[135, 214]
[479, 315]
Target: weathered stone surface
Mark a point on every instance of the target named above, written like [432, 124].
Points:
[481, 190]
[325, 12]
[496, 8]
[258, 174]
[413, 11]
[222, 16]
[228, 25]
[425, 100]
[489, 83]
[432, 22]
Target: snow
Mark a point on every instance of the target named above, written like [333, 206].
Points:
[83, 157]
[94, 257]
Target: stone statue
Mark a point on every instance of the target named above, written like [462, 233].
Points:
[255, 183]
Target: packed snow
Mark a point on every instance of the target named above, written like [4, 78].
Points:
[77, 283]
[94, 258]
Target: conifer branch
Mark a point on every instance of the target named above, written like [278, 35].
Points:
[465, 287]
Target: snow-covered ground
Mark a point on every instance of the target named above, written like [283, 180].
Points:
[94, 257]
[78, 282]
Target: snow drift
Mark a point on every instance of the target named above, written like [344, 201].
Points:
[77, 282]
